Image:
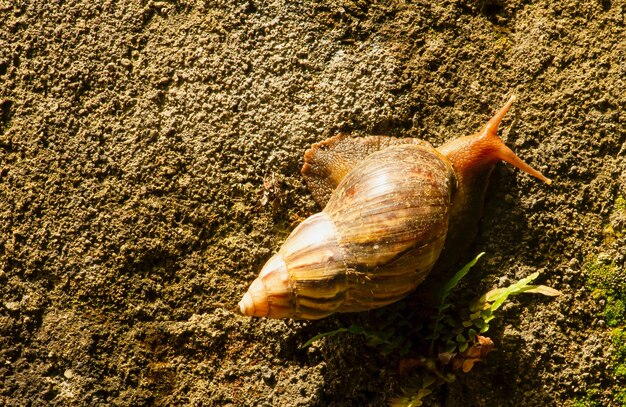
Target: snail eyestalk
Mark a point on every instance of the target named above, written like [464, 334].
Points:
[478, 153]
[490, 131]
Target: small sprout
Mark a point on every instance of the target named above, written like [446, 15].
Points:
[471, 334]
[324, 335]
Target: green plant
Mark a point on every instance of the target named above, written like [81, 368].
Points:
[414, 390]
[461, 334]
[443, 306]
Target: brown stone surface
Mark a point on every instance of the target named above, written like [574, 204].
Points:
[135, 137]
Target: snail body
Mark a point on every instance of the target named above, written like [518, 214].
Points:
[390, 207]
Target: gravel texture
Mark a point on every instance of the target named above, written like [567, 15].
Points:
[136, 138]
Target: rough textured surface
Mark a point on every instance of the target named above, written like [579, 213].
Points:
[135, 139]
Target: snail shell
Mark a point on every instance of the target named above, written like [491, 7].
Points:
[390, 206]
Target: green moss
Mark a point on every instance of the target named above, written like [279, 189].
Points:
[614, 231]
[620, 203]
[608, 282]
[618, 358]
[611, 235]
[589, 400]
[615, 311]
[620, 398]
[620, 371]
[593, 398]
[606, 276]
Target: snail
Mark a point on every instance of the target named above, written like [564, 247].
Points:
[391, 206]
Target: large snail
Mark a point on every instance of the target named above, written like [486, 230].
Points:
[390, 206]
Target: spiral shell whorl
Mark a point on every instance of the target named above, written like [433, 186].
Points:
[373, 243]
[306, 279]
[397, 197]
[270, 293]
[391, 214]
[317, 268]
